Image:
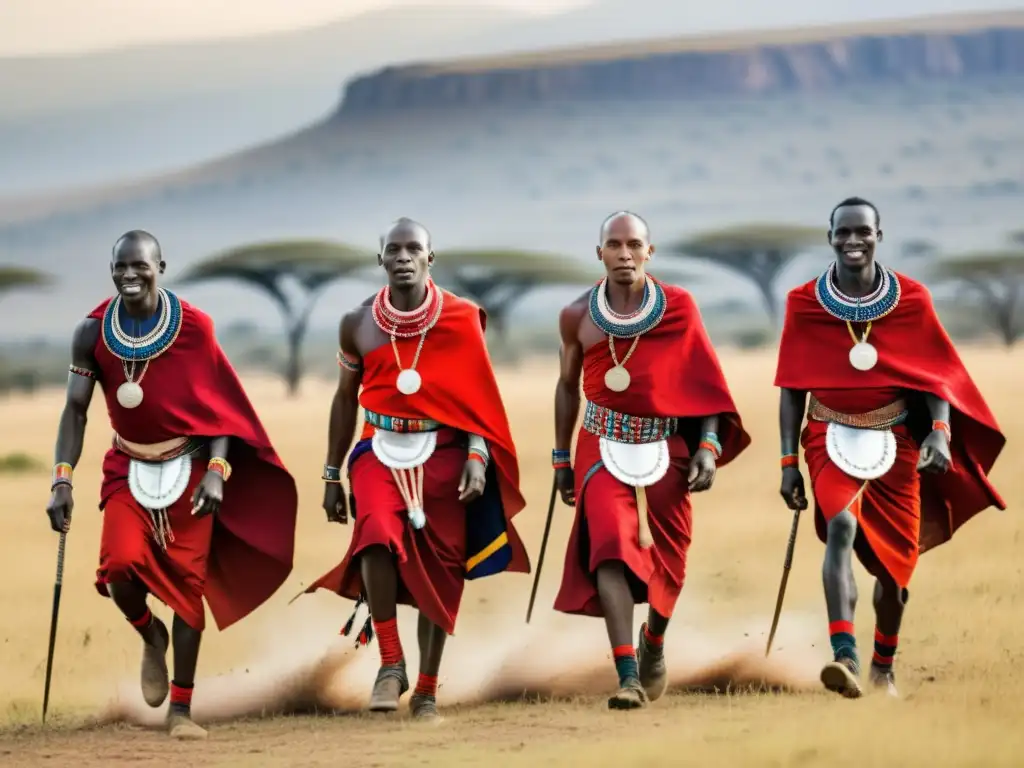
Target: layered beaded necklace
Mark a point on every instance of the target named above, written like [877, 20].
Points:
[631, 326]
[864, 309]
[400, 324]
[133, 349]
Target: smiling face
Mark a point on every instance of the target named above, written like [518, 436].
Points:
[135, 266]
[854, 235]
[406, 255]
[625, 249]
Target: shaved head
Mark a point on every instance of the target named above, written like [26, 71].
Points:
[137, 241]
[606, 224]
[406, 227]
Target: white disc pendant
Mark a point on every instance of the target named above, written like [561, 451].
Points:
[409, 382]
[129, 395]
[863, 356]
[617, 379]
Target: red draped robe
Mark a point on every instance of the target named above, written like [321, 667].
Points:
[459, 390]
[237, 559]
[902, 513]
[674, 373]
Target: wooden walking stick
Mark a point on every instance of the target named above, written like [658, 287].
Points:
[785, 578]
[543, 546]
[53, 619]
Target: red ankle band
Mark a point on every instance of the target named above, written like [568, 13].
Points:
[143, 621]
[426, 685]
[881, 639]
[652, 639]
[390, 644]
[835, 627]
[181, 694]
[623, 650]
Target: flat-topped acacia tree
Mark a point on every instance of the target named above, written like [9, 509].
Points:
[996, 277]
[14, 278]
[497, 278]
[757, 252]
[268, 266]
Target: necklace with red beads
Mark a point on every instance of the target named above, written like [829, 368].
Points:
[399, 324]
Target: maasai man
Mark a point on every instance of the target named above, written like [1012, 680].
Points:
[659, 419]
[434, 476]
[174, 526]
[889, 399]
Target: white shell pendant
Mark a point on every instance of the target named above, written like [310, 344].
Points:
[409, 382]
[617, 379]
[129, 395]
[863, 356]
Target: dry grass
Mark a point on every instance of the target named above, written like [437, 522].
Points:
[960, 666]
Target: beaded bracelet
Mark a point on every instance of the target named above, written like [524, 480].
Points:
[478, 450]
[790, 460]
[62, 472]
[710, 443]
[220, 466]
[560, 459]
[943, 426]
[331, 474]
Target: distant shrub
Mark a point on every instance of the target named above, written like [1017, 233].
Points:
[20, 464]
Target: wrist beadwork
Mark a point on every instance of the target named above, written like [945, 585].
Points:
[711, 443]
[62, 472]
[560, 459]
[331, 474]
[220, 466]
[790, 460]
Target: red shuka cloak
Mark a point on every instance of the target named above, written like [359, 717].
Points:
[914, 354]
[674, 373]
[191, 390]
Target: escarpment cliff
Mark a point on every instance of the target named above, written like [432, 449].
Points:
[768, 63]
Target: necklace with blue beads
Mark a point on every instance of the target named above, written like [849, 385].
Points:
[859, 309]
[132, 349]
[631, 326]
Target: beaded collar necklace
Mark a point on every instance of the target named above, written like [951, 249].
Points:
[131, 350]
[631, 326]
[400, 324]
[863, 309]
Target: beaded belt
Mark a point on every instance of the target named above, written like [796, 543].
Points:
[623, 428]
[881, 418]
[397, 424]
[156, 452]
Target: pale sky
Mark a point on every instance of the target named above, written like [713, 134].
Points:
[30, 27]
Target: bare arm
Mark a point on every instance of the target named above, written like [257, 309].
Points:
[792, 406]
[709, 425]
[345, 405]
[71, 430]
[938, 409]
[567, 391]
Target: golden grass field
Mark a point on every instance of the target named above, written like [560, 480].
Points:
[961, 666]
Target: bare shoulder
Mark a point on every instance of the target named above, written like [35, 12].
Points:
[356, 316]
[84, 340]
[574, 312]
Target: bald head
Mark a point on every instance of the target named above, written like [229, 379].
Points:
[618, 216]
[136, 243]
[405, 229]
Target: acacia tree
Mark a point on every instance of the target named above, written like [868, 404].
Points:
[270, 266]
[497, 278]
[997, 278]
[758, 252]
[13, 278]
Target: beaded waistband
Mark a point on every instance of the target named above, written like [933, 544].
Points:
[156, 452]
[398, 424]
[881, 418]
[623, 428]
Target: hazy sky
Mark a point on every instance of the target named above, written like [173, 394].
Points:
[71, 26]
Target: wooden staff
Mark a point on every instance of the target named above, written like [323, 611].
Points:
[53, 620]
[785, 578]
[543, 546]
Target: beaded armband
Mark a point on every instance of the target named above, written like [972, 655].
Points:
[478, 450]
[941, 425]
[62, 472]
[220, 466]
[790, 460]
[560, 460]
[348, 363]
[85, 373]
[331, 474]
[710, 442]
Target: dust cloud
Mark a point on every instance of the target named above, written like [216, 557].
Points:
[306, 666]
